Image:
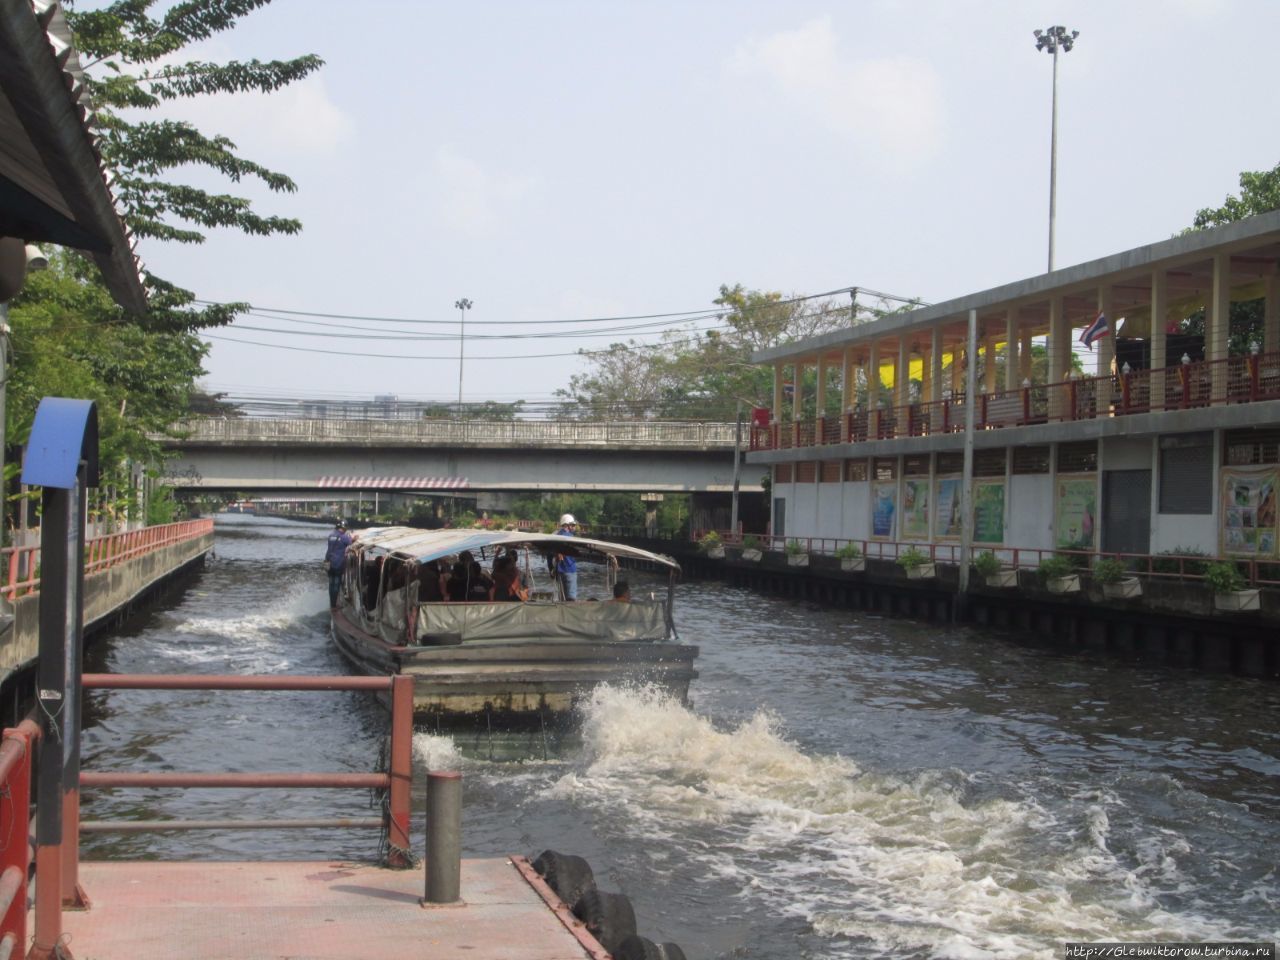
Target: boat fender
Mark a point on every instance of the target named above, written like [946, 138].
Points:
[609, 917]
[569, 876]
[642, 948]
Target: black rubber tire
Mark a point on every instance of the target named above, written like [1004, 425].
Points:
[669, 951]
[608, 916]
[637, 948]
[569, 876]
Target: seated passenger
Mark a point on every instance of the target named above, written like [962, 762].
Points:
[507, 584]
[458, 586]
[479, 584]
[430, 583]
[622, 592]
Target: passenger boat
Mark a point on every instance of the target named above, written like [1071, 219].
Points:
[510, 663]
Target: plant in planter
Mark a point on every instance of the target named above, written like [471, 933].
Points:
[916, 563]
[1114, 578]
[797, 555]
[1228, 586]
[1058, 574]
[751, 548]
[711, 545]
[851, 558]
[993, 572]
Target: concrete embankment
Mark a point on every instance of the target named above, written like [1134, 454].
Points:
[1173, 623]
[110, 594]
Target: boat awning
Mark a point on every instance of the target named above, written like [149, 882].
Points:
[54, 185]
[424, 545]
[396, 483]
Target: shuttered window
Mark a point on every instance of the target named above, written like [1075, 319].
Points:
[855, 470]
[988, 463]
[915, 465]
[831, 471]
[782, 473]
[886, 468]
[1079, 457]
[1030, 460]
[806, 471]
[1186, 473]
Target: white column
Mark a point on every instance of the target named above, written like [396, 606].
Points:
[902, 379]
[778, 376]
[1024, 358]
[1106, 352]
[935, 362]
[1271, 313]
[1011, 379]
[1159, 338]
[846, 380]
[1059, 355]
[873, 389]
[989, 364]
[1217, 333]
[820, 398]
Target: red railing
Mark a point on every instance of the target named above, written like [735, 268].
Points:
[21, 565]
[1240, 379]
[16, 855]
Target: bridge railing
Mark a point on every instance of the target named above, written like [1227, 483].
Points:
[571, 433]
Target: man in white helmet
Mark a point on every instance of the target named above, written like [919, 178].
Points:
[564, 566]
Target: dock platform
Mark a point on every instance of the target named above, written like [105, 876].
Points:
[316, 911]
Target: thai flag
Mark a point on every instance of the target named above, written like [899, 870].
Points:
[1095, 330]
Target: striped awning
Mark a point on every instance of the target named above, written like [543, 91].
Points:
[396, 483]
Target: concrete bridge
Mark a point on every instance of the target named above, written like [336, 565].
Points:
[268, 455]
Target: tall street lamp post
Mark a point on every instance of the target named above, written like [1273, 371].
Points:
[1051, 40]
[463, 306]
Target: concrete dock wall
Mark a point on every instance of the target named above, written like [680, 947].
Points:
[107, 594]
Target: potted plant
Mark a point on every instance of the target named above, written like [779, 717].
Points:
[711, 545]
[1229, 592]
[916, 563]
[751, 548]
[851, 558]
[993, 572]
[1112, 574]
[1059, 574]
[797, 555]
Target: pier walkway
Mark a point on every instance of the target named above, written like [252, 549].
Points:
[203, 911]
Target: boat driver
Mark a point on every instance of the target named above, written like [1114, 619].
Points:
[335, 559]
[564, 566]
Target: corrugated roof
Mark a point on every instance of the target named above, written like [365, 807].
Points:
[54, 185]
[425, 545]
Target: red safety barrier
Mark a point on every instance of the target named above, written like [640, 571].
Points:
[16, 855]
[22, 564]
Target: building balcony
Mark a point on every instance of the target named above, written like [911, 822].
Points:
[1186, 386]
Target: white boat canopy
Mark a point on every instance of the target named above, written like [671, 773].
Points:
[425, 545]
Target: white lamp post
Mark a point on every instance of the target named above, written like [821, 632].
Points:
[1050, 40]
[463, 306]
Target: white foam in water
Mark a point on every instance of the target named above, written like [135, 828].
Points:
[436, 752]
[896, 865]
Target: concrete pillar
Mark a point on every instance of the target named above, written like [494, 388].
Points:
[956, 380]
[902, 379]
[873, 390]
[1217, 316]
[989, 364]
[797, 390]
[935, 363]
[1106, 352]
[1059, 356]
[820, 399]
[1011, 378]
[1271, 313]
[777, 392]
[1024, 358]
[847, 388]
[1159, 338]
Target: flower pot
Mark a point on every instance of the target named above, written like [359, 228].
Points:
[1002, 578]
[1068, 584]
[923, 571]
[797, 559]
[853, 564]
[751, 555]
[1236, 601]
[716, 552]
[1122, 589]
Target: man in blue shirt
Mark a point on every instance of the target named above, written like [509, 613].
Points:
[565, 567]
[335, 558]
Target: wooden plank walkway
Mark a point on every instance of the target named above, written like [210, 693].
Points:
[314, 911]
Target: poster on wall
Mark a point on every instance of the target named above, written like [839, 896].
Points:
[988, 511]
[948, 501]
[1249, 511]
[1076, 508]
[915, 509]
[884, 504]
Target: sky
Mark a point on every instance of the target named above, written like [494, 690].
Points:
[564, 161]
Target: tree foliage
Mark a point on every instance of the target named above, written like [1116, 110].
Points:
[699, 375]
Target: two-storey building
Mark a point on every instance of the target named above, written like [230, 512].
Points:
[1164, 433]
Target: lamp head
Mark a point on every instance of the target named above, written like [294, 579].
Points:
[36, 259]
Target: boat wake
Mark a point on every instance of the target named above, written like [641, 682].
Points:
[935, 864]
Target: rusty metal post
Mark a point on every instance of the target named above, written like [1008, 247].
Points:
[401, 769]
[444, 837]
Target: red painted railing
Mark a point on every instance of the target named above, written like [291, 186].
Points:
[21, 565]
[1240, 379]
[16, 855]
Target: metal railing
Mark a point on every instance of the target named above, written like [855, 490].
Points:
[657, 434]
[16, 855]
[21, 565]
[396, 780]
[1239, 379]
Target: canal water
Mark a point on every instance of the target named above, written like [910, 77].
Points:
[841, 786]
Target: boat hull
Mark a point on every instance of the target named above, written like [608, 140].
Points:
[515, 682]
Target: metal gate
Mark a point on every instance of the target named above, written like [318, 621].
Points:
[1126, 511]
[779, 528]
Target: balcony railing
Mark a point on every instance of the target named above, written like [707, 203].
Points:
[1243, 379]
